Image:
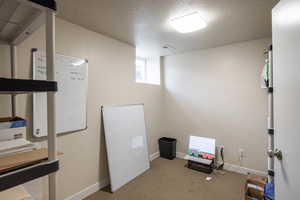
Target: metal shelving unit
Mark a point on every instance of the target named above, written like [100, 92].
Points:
[270, 130]
[18, 20]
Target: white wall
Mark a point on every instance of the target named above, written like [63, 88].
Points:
[216, 93]
[111, 81]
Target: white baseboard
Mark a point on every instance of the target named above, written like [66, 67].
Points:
[154, 156]
[231, 167]
[180, 155]
[89, 190]
[243, 170]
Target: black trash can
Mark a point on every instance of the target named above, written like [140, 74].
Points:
[167, 147]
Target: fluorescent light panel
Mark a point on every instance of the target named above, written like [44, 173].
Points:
[188, 23]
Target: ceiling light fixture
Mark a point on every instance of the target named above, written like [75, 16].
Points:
[188, 23]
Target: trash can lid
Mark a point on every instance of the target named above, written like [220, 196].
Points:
[165, 139]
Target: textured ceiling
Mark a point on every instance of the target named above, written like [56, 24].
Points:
[13, 11]
[144, 23]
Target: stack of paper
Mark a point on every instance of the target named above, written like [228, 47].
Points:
[199, 160]
[15, 146]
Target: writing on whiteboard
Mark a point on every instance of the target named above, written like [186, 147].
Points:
[74, 70]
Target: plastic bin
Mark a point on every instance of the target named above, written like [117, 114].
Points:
[167, 147]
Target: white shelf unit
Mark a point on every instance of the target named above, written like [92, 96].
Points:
[18, 20]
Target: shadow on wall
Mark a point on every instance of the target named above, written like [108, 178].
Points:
[187, 123]
[103, 167]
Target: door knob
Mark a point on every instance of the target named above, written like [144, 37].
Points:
[277, 153]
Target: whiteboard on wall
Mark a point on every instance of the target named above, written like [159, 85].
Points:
[71, 98]
[126, 143]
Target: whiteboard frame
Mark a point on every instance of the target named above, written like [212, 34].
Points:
[146, 138]
[33, 52]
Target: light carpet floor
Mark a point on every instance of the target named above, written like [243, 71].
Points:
[170, 180]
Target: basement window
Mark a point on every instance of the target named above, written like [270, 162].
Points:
[148, 70]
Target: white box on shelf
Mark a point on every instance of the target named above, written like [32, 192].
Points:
[12, 133]
[12, 128]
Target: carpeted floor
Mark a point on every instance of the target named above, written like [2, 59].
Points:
[170, 180]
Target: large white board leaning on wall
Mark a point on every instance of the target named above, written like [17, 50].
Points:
[71, 98]
[126, 143]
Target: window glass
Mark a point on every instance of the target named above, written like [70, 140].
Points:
[140, 72]
[148, 70]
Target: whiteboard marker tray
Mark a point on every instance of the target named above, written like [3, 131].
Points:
[19, 86]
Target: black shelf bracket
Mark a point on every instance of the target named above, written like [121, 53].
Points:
[23, 175]
[46, 3]
[271, 173]
[271, 131]
[11, 86]
[270, 89]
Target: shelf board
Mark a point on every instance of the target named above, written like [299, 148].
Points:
[23, 175]
[22, 167]
[20, 86]
[22, 159]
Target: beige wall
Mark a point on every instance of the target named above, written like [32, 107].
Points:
[5, 73]
[216, 93]
[111, 81]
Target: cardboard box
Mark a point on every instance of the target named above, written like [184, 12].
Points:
[257, 180]
[12, 128]
[254, 188]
